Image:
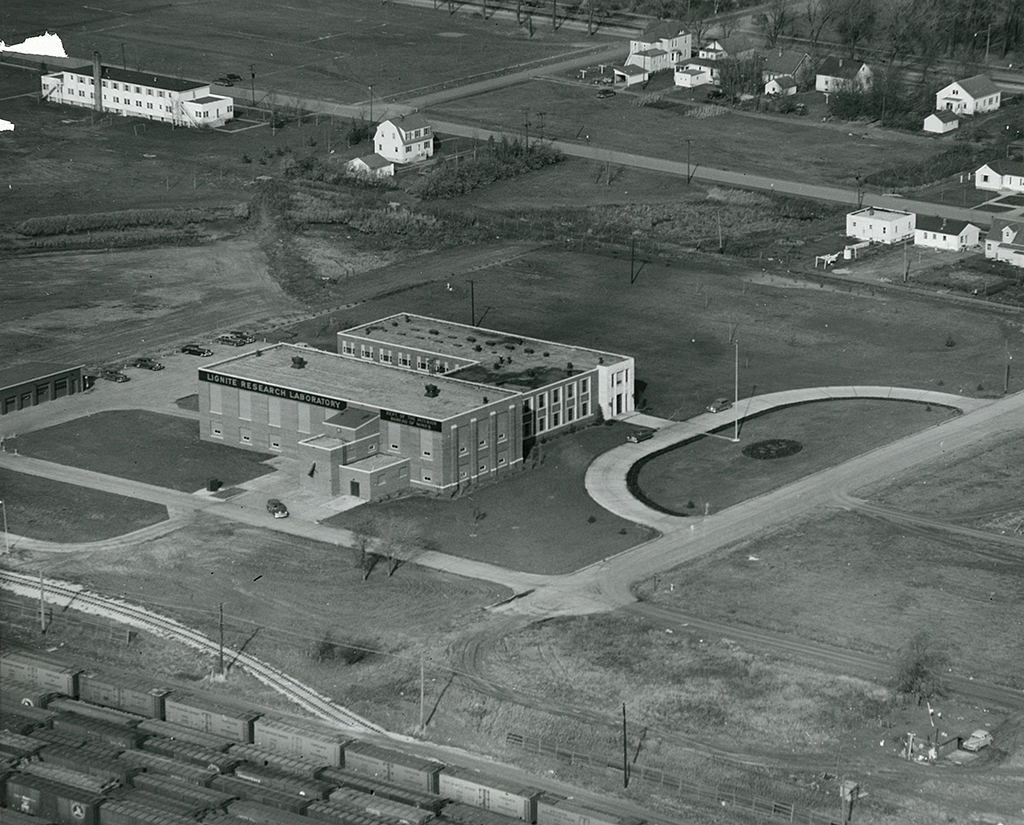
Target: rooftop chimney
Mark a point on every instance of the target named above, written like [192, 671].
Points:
[97, 83]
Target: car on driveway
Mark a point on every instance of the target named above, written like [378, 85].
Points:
[147, 364]
[114, 375]
[195, 349]
[604, 94]
[640, 435]
[230, 340]
[719, 405]
[979, 739]
[276, 508]
[247, 337]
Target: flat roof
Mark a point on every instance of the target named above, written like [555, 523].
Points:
[157, 81]
[878, 213]
[547, 360]
[207, 99]
[33, 371]
[358, 382]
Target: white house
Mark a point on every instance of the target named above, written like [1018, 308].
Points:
[1002, 174]
[781, 63]
[782, 85]
[630, 75]
[841, 73]
[405, 139]
[371, 166]
[1005, 241]
[969, 97]
[660, 46]
[138, 94]
[702, 64]
[941, 121]
[689, 76]
[945, 233]
[886, 226]
[712, 50]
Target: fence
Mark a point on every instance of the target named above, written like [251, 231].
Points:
[28, 613]
[719, 795]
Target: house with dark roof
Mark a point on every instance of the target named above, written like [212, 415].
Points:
[782, 63]
[405, 139]
[660, 47]
[782, 85]
[941, 121]
[969, 97]
[371, 166]
[711, 67]
[1001, 175]
[945, 233]
[842, 73]
[1005, 241]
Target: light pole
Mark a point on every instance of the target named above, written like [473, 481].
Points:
[687, 159]
[252, 82]
[371, 103]
[7, 542]
[736, 393]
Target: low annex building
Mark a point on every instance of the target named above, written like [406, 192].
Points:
[880, 225]
[37, 382]
[1002, 174]
[139, 94]
[941, 121]
[408, 401]
[945, 233]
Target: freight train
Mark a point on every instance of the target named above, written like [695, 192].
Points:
[81, 748]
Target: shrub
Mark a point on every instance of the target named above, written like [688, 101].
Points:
[498, 161]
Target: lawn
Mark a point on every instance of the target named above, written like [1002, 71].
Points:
[164, 450]
[540, 520]
[52, 511]
[715, 474]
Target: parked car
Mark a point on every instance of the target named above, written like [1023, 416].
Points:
[231, 341]
[715, 94]
[640, 435]
[719, 405]
[248, 337]
[979, 739]
[605, 93]
[276, 508]
[222, 81]
[234, 78]
[147, 364]
[114, 375]
[195, 349]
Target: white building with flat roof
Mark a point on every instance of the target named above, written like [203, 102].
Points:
[888, 226]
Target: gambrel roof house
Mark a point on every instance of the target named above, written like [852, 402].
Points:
[1005, 241]
[1001, 174]
[970, 96]
[945, 233]
[405, 139]
[836, 73]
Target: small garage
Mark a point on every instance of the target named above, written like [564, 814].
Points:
[36, 382]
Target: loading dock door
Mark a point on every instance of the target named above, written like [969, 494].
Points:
[353, 488]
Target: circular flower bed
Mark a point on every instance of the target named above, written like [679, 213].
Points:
[772, 448]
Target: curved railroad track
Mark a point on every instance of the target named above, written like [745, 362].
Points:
[76, 596]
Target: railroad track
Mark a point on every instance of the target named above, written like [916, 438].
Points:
[76, 596]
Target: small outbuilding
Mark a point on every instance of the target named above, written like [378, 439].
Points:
[940, 122]
[631, 75]
[873, 223]
[782, 85]
[945, 233]
[36, 382]
[687, 77]
[371, 166]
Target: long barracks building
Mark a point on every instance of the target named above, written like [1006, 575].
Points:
[408, 401]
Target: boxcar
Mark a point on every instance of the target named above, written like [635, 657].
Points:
[328, 812]
[16, 723]
[68, 738]
[251, 792]
[271, 778]
[99, 730]
[9, 817]
[118, 717]
[319, 746]
[369, 785]
[557, 810]
[94, 760]
[463, 814]
[169, 730]
[133, 812]
[18, 746]
[70, 777]
[489, 793]
[291, 765]
[166, 766]
[123, 694]
[48, 800]
[202, 714]
[349, 799]
[392, 766]
[193, 754]
[38, 715]
[254, 812]
[208, 798]
[19, 693]
[46, 672]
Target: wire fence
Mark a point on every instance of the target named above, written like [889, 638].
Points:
[722, 796]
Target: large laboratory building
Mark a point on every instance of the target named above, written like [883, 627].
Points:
[408, 401]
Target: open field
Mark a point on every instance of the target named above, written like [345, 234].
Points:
[143, 446]
[48, 510]
[303, 48]
[717, 474]
[540, 520]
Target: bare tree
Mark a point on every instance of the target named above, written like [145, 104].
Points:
[394, 538]
[698, 25]
[774, 21]
[819, 15]
[855, 21]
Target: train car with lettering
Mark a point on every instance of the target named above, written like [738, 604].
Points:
[118, 717]
[491, 794]
[392, 766]
[357, 802]
[42, 798]
[99, 730]
[193, 754]
[291, 765]
[306, 742]
[208, 716]
[141, 698]
[131, 811]
[553, 809]
[245, 810]
[369, 785]
[44, 672]
[251, 792]
[271, 778]
[13, 694]
[9, 817]
[155, 764]
[169, 730]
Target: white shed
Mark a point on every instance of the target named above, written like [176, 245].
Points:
[941, 121]
[873, 223]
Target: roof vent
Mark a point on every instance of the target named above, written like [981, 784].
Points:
[298, 362]
[432, 391]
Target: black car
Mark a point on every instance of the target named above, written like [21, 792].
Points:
[640, 435]
[234, 78]
[147, 364]
[114, 375]
[715, 94]
[195, 349]
[231, 341]
[247, 337]
[605, 93]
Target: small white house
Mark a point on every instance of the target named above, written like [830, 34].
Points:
[1005, 241]
[941, 122]
[405, 139]
[880, 225]
[841, 73]
[969, 97]
[371, 166]
[688, 77]
[630, 75]
[945, 233]
[1001, 175]
[782, 85]
[702, 64]
[650, 60]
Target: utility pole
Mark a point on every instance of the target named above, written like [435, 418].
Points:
[689, 176]
[252, 81]
[124, 62]
[221, 649]
[423, 692]
[736, 392]
[42, 602]
[371, 103]
[7, 540]
[625, 750]
[526, 127]
[632, 256]
[472, 303]
[718, 214]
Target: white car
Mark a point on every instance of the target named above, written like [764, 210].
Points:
[979, 739]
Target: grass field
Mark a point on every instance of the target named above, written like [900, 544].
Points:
[540, 520]
[715, 473]
[51, 511]
[143, 446]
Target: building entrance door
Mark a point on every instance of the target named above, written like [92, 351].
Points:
[353, 488]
